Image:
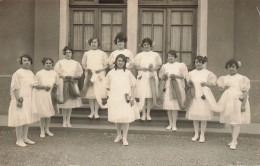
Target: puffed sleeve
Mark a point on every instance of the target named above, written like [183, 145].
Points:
[162, 72]
[220, 82]
[244, 84]
[212, 78]
[137, 60]
[15, 83]
[84, 60]
[158, 60]
[79, 71]
[111, 59]
[104, 59]
[57, 68]
[106, 82]
[131, 79]
[183, 70]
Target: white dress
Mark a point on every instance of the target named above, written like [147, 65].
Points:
[120, 82]
[70, 68]
[22, 80]
[95, 60]
[229, 104]
[125, 52]
[42, 98]
[201, 109]
[177, 69]
[144, 59]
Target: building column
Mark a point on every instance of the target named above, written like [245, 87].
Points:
[64, 26]
[132, 25]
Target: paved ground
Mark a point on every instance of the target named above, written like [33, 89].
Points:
[95, 148]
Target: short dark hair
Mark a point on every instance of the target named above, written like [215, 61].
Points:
[231, 62]
[46, 59]
[93, 38]
[25, 56]
[67, 48]
[121, 37]
[124, 59]
[147, 40]
[201, 59]
[173, 52]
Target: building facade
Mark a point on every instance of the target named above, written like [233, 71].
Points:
[218, 29]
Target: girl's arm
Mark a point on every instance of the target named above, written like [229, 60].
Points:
[19, 100]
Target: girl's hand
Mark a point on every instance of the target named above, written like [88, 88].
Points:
[19, 102]
[97, 71]
[47, 88]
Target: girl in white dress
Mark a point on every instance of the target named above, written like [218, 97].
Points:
[147, 64]
[203, 100]
[46, 80]
[234, 105]
[173, 71]
[69, 72]
[120, 83]
[120, 41]
[20, 109]
[95, 63]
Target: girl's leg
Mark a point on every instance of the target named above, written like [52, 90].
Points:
[196, 130]
[19, 131]
[96, 109]
[47, 127]
[203, 126]
[25, 135]
[174, 119]
[92, 107]
[169, 113]
[235, 133]
[125, 132]
[149, 106]
[118, 129]
[64, 114]
[68, 116]
[143, 111]
[43, 124]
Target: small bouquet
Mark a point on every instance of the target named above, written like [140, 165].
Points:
[128, 99]
[20, 102]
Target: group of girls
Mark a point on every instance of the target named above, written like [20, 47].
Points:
[36, 97]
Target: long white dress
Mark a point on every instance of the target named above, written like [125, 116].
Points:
[42, 98]
[95, 60]
[201, 109]
[120, 82]
[229, 105]
[22, 80]
[177, 69]
[125, 52]
[70, 68]
[144, 59]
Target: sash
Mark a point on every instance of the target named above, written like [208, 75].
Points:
[153, 90]
[190, 94]
[55, 99]
[87, 83]
[162, 89]
[69, 90]
[175, 92]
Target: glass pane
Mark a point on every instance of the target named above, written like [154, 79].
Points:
[187, 18]
[175, 38]
[89, 17]
[106, 18]
[176, 18]
[77, 56]
[186, 39]
[77, 33]
[78, 17]
[158, 38]
[116, 29]
[146, 31]
[187, 59]
[117, 18]
[106, 38]
[88, 33]
[158, 18]
[147, 18]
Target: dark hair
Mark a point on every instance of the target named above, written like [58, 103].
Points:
[124, 59]
[201, 59]
[173, 52]
[20, 59]
[46, 59]
[93, 38]
[147, 40]
[67, 48]
[231, 62]
[121, 37]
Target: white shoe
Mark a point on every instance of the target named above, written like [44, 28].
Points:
[233, 146]
[143, 118]
[202, 139]
[49, 133]
[21, 144]
[42, 135]
[68, 124]
[195, 138]
[149, 118]
[96, 116]
[64, 124]
[29, 141]
[125, 143]
[91, 116]
[169, 128]
[231, 143]
[118, 138]
[174, 128]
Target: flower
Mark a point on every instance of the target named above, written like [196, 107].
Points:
[239, 63]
